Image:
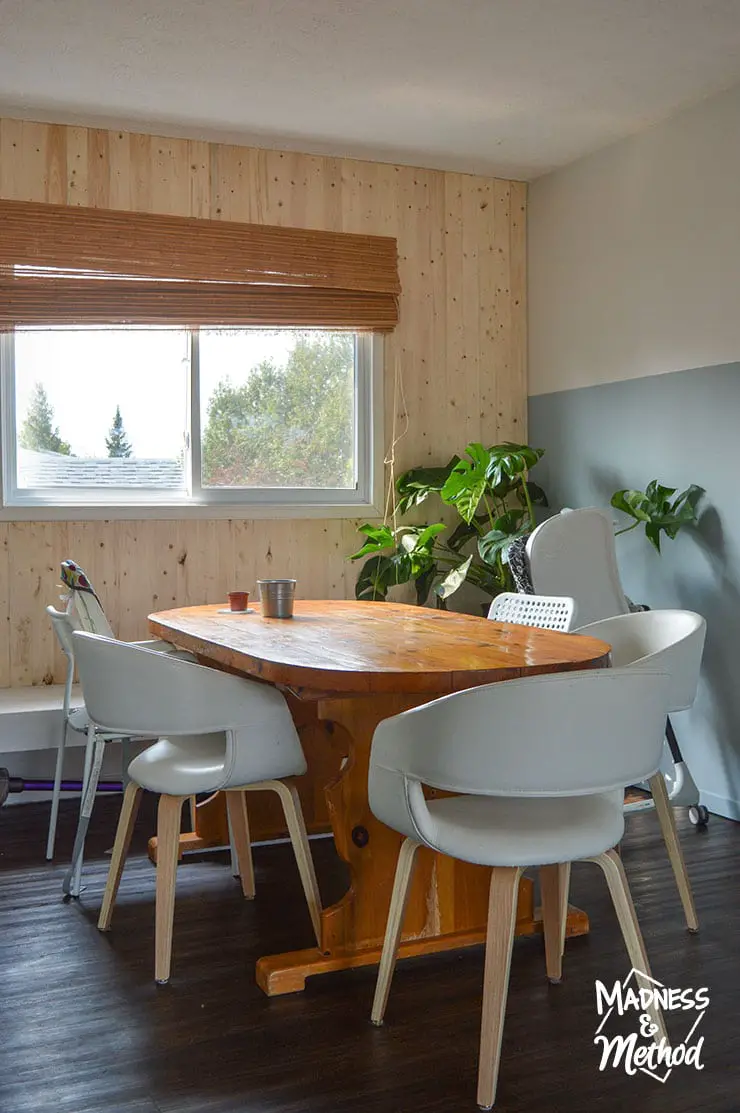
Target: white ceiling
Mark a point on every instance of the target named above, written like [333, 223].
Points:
[513, 87]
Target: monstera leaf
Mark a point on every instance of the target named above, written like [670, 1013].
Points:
[416, 484]
[380, 573]
[508, 462]
[467, 482]
[407, 554]
[453, 580]
[378, 538]
[657, 510]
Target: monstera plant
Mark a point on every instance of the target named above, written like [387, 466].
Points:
[494, 497]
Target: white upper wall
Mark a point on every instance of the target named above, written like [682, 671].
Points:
[634, 255]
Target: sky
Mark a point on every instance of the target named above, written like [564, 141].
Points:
[88, 372]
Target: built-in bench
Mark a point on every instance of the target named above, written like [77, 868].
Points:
[31, 718]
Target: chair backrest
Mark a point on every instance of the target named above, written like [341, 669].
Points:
[131, 690]
[563, 734]
[91, 615]
[573, 554]
[672, 641]
[82, 595]
[548, 612]
[64, 623]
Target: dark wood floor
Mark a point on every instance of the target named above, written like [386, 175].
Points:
[83, 1029]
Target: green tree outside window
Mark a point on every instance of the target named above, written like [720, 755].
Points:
[38, 431]
[116, 442]
[286, 426]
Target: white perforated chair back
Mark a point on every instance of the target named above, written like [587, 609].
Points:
[138, 691]
[573, 554]
[548, 612]
[564, 734]
[672, 641]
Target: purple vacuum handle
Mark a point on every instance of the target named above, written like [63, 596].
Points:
[10, 784]
[66, 786]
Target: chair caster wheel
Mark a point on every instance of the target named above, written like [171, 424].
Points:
[698, 815]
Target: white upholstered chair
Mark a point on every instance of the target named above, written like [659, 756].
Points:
[216, 732]
[672, 641]
[547, 612]
[539, 766]
[574, 553]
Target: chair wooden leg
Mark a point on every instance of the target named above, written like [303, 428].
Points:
[564, 895]
[502, 904]
[399, 898]
[236, 805]
[667, 820]
[291, 802]
[124, 831]
[169, 815]
[611, 865]
[551, 878]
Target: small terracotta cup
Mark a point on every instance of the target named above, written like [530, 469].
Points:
[238, 600]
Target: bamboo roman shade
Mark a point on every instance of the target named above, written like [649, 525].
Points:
[69, 265]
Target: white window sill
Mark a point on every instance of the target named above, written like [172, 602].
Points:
[186, 510]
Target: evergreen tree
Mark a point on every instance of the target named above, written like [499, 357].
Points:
[116, 442]
[38, 431]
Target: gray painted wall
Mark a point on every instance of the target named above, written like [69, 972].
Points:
[679, 428]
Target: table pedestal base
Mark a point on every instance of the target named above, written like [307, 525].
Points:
[287, 973]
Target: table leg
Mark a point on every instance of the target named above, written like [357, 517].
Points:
[447, 905]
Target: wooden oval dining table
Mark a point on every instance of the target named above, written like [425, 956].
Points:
[344, 667]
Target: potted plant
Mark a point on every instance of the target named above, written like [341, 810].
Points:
[494, 498]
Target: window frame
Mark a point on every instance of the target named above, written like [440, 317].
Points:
[48, 504]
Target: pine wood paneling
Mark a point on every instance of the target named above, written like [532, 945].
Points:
[460, 346]
[5, 614]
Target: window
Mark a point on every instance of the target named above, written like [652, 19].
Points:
[155, 361]
[234, 418]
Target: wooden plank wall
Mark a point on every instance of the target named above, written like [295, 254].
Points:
[460, 347]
